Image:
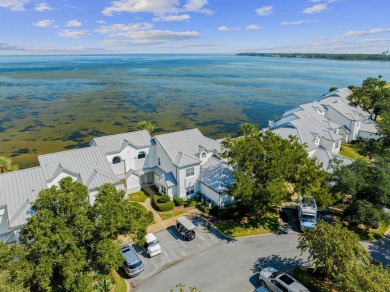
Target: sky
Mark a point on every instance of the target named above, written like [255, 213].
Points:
[193, 26]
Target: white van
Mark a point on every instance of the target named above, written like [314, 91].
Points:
[152, 245]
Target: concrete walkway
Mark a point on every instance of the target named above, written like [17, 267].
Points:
[161, 224]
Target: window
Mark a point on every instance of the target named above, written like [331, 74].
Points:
[141, 155]
[204, 155]
[158, 161]
[116, 160]
[189, 171]
[163, 190]
[189, 190]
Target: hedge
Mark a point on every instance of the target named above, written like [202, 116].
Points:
[178, 201]
[162, 207]
[163, 199]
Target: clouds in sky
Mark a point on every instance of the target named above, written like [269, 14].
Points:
[297, 22]
[138, 34]
[14, 5]
[367, 32]
[315, 9]
[253, 27]
[156, 7]
[164, 17]
[44, 23]
[76, 34]
[74, 23]
[265, 10]
[42, 7]
[237, 25]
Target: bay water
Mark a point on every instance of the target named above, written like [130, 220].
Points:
[54, 103]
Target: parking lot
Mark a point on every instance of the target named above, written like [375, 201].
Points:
[175, 249]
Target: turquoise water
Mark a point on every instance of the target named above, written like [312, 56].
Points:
[52, 103]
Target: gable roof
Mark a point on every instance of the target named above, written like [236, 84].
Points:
[319, 118]
[169, 179]
[324, 156]
[115, 143]
[368, 126]
[18, 189]
[314, 106]
[182, 147]
[84, 162]
[350, 112]
[340, 94]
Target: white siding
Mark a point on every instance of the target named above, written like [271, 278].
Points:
[184, 182]
[133, 184]
[4, 221]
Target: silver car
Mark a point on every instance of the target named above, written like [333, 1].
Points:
[132, 264]
[277, 281]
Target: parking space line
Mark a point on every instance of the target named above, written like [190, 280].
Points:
[177, 238]
[199, 235]
[164, 252]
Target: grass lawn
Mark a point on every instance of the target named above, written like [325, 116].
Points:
[349, 151]
[267, 224]
[372, 234]
[120, 285]
[140, 196]
[170, 214]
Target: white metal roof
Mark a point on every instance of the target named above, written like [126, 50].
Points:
[84, 162]
[18, 189]
[182, 147]
[115, 143]
[217, 177]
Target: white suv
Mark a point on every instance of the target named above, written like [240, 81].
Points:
[277, 281]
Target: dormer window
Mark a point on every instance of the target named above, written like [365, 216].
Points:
[203, 155]
[116, 160]
[317, 141]
[141, 155]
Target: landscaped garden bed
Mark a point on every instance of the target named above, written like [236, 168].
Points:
[162, 203]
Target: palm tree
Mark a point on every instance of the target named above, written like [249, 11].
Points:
[145, 125]
[6, 165]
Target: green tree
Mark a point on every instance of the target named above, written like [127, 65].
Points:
[15, 270]
[371, 96]
[67, 241]
[57, 236]
[337, 253]
[6, 165]
[145, 125]
[384, 123]
[364, 212]
[266, 166]
[333, 88]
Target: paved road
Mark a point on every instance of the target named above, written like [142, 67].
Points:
[380, 250]
[229, 265]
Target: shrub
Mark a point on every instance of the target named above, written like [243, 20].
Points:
[202, 207]
[178, 201]
[232, 211]
[191, 202]
[162, 207]
[163, 199]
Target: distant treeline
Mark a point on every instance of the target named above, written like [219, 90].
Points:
[354, 57]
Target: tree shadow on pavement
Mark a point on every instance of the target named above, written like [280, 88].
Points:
[275, 261]
[380, 250]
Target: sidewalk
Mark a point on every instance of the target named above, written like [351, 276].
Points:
[161, 224]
